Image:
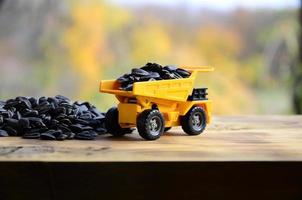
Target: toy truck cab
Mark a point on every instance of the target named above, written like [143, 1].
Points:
[156, 106]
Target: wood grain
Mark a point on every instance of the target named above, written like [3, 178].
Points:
[228, 138]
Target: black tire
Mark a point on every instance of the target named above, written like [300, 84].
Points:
[167, 129]
[195, 121]
[150, 124]
[112, 125]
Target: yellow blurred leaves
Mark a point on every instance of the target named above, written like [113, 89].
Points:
[150, 42]
[220, 47]
[117, 18]
[86, 40]
[230, 95]
[215, 41]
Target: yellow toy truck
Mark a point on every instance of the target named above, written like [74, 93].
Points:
[156, 106]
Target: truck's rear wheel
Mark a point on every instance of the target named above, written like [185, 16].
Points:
[150, 124]
[112, 125]
[195, 121]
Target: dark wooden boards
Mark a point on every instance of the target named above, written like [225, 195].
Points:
[151, 180]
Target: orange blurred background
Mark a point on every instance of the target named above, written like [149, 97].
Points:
[66, 47]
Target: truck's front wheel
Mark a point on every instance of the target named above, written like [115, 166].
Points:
[195, 121]
[150, 124]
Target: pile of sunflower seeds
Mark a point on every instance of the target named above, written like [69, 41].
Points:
[151, 72]
[52, 118]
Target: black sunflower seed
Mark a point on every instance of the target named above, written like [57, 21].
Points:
[183, 73]
[123, 79]
[11, 131]
[35, 120]
[100, 130]
[24, 123]
[11, 103]
[25, 103]
[151, 72]
[50, 118]
[64, 128]
[152, 67]
[56, 133]
[70, 135]
[128, 87]
[139, 72]
[66, 121]
[170, 68]
[34, 135]
[3, 133]
[42, 100]
[61, 97]
[86, 135]
[81, 121]
[62, 136]
[2, 103]
[47, 136]
[13, 123]
[7, 114]
[33, 101]
[30, 113]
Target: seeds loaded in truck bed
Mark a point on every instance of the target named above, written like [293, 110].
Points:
[151, 72]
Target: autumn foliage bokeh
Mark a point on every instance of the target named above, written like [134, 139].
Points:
[78, 43]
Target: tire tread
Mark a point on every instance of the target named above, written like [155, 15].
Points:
[185, 121]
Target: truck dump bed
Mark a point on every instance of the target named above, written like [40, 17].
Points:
[174, 89]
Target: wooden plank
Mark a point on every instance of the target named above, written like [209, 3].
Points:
[229, 138]
[151, 180]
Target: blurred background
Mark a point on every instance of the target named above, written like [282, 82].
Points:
[66, 47]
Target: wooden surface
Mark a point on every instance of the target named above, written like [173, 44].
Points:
[151, 180]
[238, 138]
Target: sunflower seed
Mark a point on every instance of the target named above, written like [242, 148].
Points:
[34, 135]
[3, 133]
[151, 72]
[47, 136]
[50, 118]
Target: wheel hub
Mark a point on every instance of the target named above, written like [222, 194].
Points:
[153, 125]
[196, 121]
